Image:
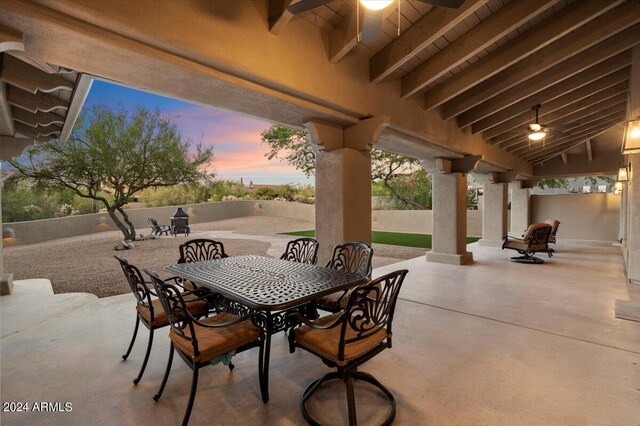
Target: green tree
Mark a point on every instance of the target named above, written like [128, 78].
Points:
[553, 183]
[389, 169]
[119, 152]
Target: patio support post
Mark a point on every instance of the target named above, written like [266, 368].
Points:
[494, 211]
[343, 183]
[519, 208]
[633, 185]
[449, 241]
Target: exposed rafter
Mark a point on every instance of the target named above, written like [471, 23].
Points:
[548, 31]
[279, 16]
[473, 42]
[428, 29]
[38, 119]
[10, 39]
[35, 102]
[29, 78]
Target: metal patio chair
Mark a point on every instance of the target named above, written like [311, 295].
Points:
[535, 240]
[302, 250]
[200, 341]
[347, 339]
[355, 257]
[149, 310]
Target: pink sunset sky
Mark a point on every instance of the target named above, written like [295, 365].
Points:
[238, 152]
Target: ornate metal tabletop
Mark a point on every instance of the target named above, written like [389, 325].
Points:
[264, 283]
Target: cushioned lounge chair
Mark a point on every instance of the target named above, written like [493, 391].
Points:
[535, 240]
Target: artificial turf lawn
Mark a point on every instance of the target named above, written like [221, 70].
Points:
[391, 238]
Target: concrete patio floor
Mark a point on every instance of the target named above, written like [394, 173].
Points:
[490, 343]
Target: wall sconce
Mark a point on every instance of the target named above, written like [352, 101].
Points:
[623, 173]
[191, 211]
[257, 207]
[102, 222]
[618, 187]
[631, 142]
[8, 235]
[480, 192]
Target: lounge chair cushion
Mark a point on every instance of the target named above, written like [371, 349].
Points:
[213, 342]
[326, 342]
[160, 319]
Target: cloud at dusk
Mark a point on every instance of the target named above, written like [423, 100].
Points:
[235, 138]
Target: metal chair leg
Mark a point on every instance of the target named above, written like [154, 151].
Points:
[351, 401]
[133, 338]
[166, 375]
[192, 396]
[146, 358]
[263, 369]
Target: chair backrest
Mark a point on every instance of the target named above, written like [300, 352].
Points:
[153, 224]
[176, 309]
[201, 249]
[555, 223]
[370, 308]
[139, 287]
[302, 250]
[537, 234]
[354, 257]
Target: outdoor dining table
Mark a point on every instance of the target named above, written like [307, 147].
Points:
[268, 288]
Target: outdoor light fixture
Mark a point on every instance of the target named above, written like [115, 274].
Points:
[191, 211]
[618, 186]
[102, 222]
[375, 4]
[631, 143]
[623, 173]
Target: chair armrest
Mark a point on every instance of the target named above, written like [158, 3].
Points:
[298, 316]
[222, 324]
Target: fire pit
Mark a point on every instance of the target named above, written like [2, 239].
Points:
[180, 223]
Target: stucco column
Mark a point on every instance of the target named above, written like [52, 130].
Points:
[519, 208]
[494, 214]
[343, 182]
[449, 240]
[633, 220]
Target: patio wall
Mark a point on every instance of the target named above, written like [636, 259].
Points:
[584, 216]
[384, 220]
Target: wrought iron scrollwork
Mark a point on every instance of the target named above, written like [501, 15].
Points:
[201, 249]
[352, 257]
[301, 250]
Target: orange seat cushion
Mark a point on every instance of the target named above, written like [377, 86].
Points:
[160, 318]
[326, 342]
[213, 342]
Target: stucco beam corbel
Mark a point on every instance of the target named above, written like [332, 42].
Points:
[325, 136]
[10, 39]
[364, 135]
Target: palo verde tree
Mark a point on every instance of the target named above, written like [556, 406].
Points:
[113, 154]
[392, 171]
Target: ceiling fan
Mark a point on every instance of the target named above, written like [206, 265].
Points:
[373, 12]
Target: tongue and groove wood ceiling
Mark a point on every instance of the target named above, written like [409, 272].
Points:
[489, 62]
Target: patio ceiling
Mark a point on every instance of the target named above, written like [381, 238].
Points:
[36, 102]
[489, 62]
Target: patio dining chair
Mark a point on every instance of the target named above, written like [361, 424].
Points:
[354, 257]
[157, 229]
[302, 250]
[555, 223]
[149, 310]
[535, 240]
[347, 339]
[200, 341]
[201, 249]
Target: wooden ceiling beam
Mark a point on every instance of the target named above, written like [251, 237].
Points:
[560, 72]
[11, 146]
[603, 125]
[279, 15]
[10, 39]
[589, 150]
[570, 145]
[417, 37]
[586, 123]
[569, 115]
[583, 41]
[38, 119]
[34, 102]
[37, 132]
[552, 99]
[30, 78]
[546, 32]
[473, 42]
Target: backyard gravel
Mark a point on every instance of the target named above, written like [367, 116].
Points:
[86, 263]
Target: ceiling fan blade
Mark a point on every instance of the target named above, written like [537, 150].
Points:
[304, 5]
[453, 4]
[371, 25]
